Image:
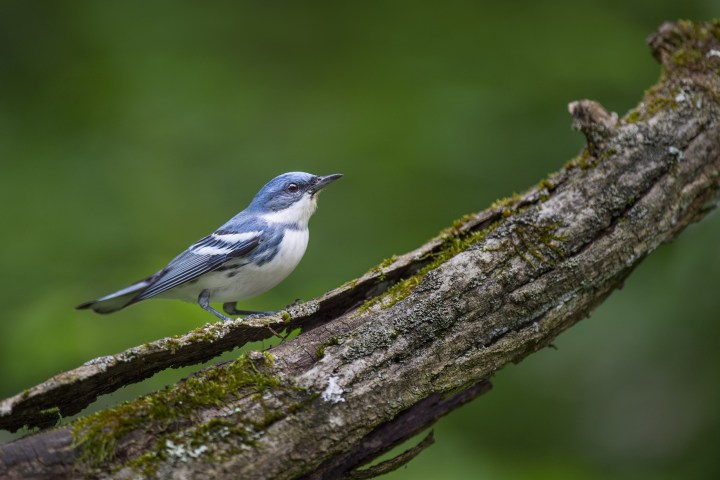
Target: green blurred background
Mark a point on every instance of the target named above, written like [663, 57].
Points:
[130, 129]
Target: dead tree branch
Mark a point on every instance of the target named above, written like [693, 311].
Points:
[381, 358]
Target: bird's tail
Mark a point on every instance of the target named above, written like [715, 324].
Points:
[117, 300]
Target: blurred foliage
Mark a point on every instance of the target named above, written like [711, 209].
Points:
[130, 129]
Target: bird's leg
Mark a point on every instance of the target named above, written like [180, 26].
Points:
[204, 301]
[231, 309]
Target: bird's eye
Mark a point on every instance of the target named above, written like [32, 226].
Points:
[292, 188]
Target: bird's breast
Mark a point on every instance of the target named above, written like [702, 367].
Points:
[256, 278]
[291, 248]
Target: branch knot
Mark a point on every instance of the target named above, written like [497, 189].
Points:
[686, 45]
[594, 122]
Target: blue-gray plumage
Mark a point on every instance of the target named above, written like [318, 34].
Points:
[250, 254]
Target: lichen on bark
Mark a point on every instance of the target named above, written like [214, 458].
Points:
[493, 288]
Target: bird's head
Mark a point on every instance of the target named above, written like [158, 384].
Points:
[290, 198]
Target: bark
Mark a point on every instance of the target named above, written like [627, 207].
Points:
[381, 358]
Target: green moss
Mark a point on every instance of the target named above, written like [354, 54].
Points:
[285, 316]
[173, 344]
[506, 202]
[97, 436]
[208, 439]
[660, 103]
[547, 184]
[52, 411]
[456, 241]
[147, 463]
[540, 241]
[451, 246]
[349, 285]
[456, 227]
[217, 429]
[461, 222]
[686, 56]
[388, 261]
[633, 116]
[582, 161]
[321, 349]
[655, 100]
[585, 161]
[686, 46]
[218, 439]
[206, 333]
[690, 40]
[400, 290]
[378, 269]
[269, 358]
[607, 153]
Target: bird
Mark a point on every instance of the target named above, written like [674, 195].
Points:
[248, 255]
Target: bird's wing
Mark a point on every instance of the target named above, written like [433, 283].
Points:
[202, 257]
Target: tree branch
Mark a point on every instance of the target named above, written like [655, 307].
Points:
[381, 358]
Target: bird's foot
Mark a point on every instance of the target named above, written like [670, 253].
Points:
[231, 309]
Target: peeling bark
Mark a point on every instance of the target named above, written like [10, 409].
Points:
[380, 359]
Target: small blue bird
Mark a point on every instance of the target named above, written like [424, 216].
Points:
[250, 254]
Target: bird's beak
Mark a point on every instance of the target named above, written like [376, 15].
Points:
[323, 181]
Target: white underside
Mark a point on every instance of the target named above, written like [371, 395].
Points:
[251, 279]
